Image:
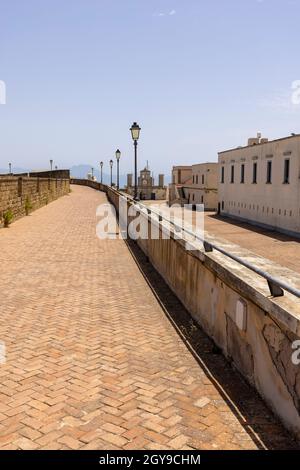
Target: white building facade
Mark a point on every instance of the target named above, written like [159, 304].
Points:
[204, 186]
[195, 184]
[181, 174]
[260, 183]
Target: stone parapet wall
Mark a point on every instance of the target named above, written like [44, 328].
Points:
[63, 174]
[16, 192]
[89, 183]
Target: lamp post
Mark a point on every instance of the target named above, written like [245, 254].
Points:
[92, 169]
[9, 166]
[135, 133]
[118, 156]
[101, 172]
[111, 167]
[51, 164]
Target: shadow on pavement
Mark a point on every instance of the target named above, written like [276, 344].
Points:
[254, 228]
[245, 403]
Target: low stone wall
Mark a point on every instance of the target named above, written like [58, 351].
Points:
[17, 192]
[255, 331]
[54, 174]
[90, 184]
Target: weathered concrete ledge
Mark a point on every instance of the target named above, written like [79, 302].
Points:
[19, 194]
[233, 305]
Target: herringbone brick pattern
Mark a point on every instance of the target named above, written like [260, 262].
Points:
[92, 360]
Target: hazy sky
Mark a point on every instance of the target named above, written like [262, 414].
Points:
[198, 76]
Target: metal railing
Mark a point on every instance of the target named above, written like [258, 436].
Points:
[276, 286]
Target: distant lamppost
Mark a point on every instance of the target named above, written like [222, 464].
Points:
[101, 171]
[51, 164]
[9, 166]
[111, 163]
[135, 132]
[118, 156]
[92, 169]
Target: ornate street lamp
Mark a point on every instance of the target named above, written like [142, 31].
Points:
[135, 133]
[118, 156]
[101, 171]
[111, 163]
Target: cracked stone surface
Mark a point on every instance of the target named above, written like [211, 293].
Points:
[280, 347]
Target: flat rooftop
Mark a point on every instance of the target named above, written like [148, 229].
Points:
[260, 144]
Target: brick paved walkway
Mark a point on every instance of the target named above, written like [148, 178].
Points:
[92, 360]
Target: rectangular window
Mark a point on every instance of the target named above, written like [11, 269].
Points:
[269, 172]
[254, 179]
[232, 174]
[243, 173]
[202, 179]
[286, 177]
[197, 179]
[222, 174]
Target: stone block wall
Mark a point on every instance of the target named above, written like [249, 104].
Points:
[15, 191]
[63, 174]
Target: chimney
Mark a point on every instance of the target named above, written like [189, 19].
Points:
[253, 141]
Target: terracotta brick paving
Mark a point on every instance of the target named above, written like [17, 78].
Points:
[92, 360]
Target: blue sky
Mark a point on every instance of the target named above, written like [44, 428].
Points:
[198, 76]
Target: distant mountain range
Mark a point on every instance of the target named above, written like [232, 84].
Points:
[5, 171]
[77, 171]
